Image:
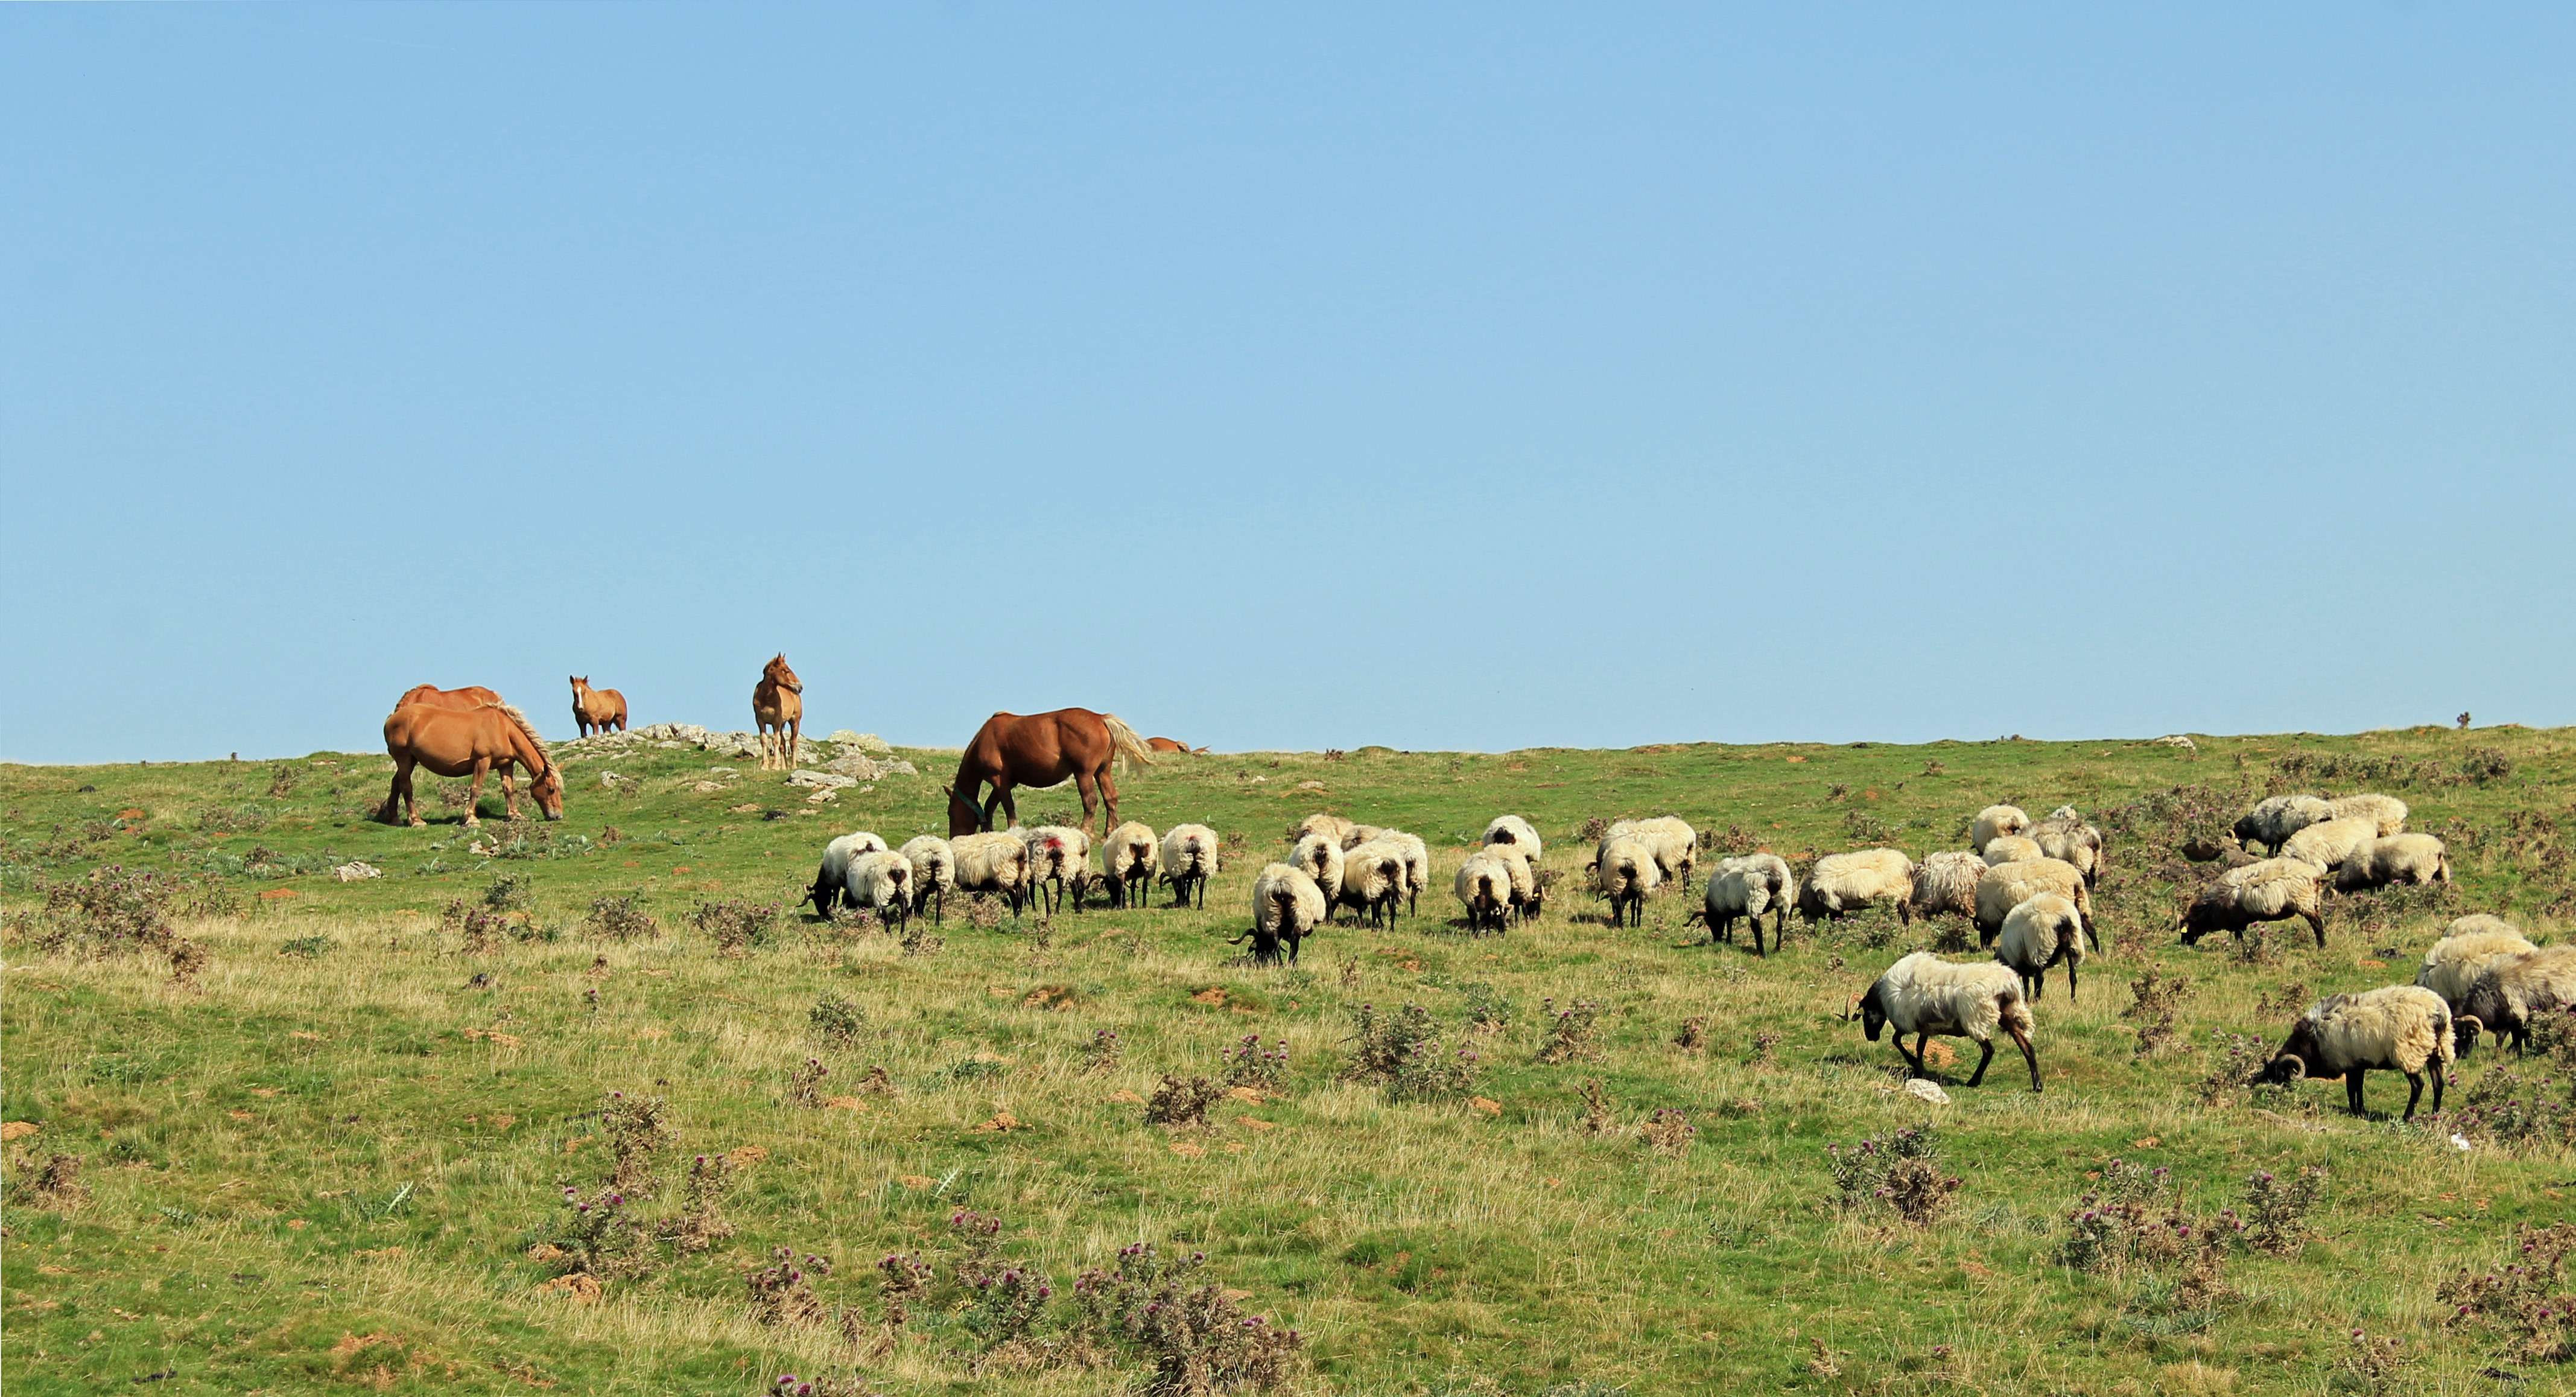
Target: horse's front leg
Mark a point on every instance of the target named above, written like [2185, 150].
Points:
[1108, 799]
[1089, 786]
[474, 803]
[399, 801]
[509, 790]
[795, 741]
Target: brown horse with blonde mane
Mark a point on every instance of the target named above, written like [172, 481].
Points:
[596, 709]
[1041, 750]
[471, 696]
[469, 742]
[777, 703]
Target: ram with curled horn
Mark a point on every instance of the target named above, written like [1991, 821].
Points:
[2403, 1028]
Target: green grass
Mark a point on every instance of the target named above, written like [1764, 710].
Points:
[326, 1163]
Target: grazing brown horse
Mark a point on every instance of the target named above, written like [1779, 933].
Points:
[597, 708]
[1041, 750]
[778, 703]
[471, 696]
[1166, 744]
[469, 741]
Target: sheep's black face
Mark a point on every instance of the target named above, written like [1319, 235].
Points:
[1873, 1015]
[2246, 830]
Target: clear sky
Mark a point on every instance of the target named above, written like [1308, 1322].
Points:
[1287, 376]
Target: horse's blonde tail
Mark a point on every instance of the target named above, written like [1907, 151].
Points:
[1131, 748]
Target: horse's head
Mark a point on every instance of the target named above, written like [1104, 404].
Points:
[580, 685]
[963, 818]
[777, 672]
[548, 788]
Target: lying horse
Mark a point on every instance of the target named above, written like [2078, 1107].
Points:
[597, 709]
[777, 704]
[1041, 750]
[463, 742]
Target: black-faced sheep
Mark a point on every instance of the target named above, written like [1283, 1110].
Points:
[1357, 835]
[1744, 887]
[2452, 965]
[934, 874]
[1925, 995]
[880, 881]
[1189, 859]
[2394, 858]
[1127, 861]
[2387, 812]
[831, 879]
[2328, 844]
[1945, 883]
[1373, 881]
[2065, 836]
[1333, 827]
[1319, 852]
[2271, 822]
[1484, 886]
[1417, 864]
[2038, 934]
[2402, 1028]
[2012, 848]
[2006, 886]
[1058, 855]
[994, 862]
[2270, 891]
[1286, 906]
[2514, 988]
[1529, 891]
[1996, 820]
[1674, 842]
[1841, 884]
[1515, 831]
[1625, 873]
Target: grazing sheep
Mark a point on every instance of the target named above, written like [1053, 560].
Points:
[1127, 863]
[2452, 966]
[2270, 891]
[1286, 906]
[2065, 836]
[1333, 827]
[2012, 848]
[2387, 811]
[1946, 882]
[1484, 885]
[2006, 886]
[2327, 845]
[1516, 832]
[1189, 859]
[1744, 887]
[2395, 858]
[1058, 854]
[1626, 874]
[1357, 835]
[934, 874]
[1417, 865]
[1373, 880]
[1926, 995]
[830, 879]
[2402, 1027]
[880, 880]
[1844, 883]
[1675, 843]
[1319, 852]
[2515, 987]
[994, 862]
[2038, 934]
[1996, 820]
[1529, 893]
[2271, 822]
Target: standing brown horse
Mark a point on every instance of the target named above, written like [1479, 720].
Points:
[469, 741]
[596, 708]
[471, 696]
[777, 703]
[1041, 750]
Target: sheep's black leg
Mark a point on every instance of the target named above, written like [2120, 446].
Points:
[1922, 1041]
[2319, 924]
[1985, 1054]
[2070, 981]
[2352, 1090]
[2438, 1074]
[1756, 925]
[2022, 1040]
[1913, 1066]
[2415, 1092]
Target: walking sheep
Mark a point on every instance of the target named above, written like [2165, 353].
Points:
[2388, 812]
[2515, 987]
[1840, 884]
[2038, 934]
[934, 874]
[2402, 1028]
[2327, 845]
[1286, 906]
[2065, 836]
[1058, 854]
[992, 862]
[1674, 842]
[1417, 865]
[2271, 822]
[2394, 858]
[1996, 820]
[1127, 863]
[880, 880]
[1373, 880]
[2006, 886]
[1319, 853]
[1625, 874]
[1946, 882]
[1743, 888]
[831, 878]
[1189, 859]
[1516, 832]
[2271, 891]
[1925, 995]
[1484, 885]
[2012, 848]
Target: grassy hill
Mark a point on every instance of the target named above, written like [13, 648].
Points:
[325, 1129]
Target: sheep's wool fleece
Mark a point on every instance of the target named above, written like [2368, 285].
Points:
[2012, 848]
[2454, 963]
[1947, 882]
[2008, 885]
[2388, 812]
[1926, 994]
[2276, 818]
[1517, 863]
[1056, 850]
[2033, 931]
[1995, 820]
[1305, 901]
[2541, 979]
[934, 864]
[1484, 872]
[1417, 857]
[1864, 875]
[1189, 848]
[1129, 848]
[2394, 858]
[1626, 861]
[1372, 871]
[2329, 844]
[1742, 886]
[1331, 826]
[1320, 855]
[1515, 831]
[1674, 842]
[879, 878]
[2269, 888]
[2402, 1026]
[838, 853]
[989, 862]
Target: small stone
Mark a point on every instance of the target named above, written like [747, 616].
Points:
[1929, 1091]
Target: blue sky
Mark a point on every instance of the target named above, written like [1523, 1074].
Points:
[1439, 376]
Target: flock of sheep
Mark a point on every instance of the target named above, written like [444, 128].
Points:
[2026, 886]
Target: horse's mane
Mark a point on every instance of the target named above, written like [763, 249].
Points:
[511, 711]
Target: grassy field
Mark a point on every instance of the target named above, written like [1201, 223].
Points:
[335, 1151]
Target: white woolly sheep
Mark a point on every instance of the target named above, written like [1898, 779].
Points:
[1514, 831]
[1333, 827]
[1373, 880]
[2270, 891]
[1058, 854]
[2395, 858]
[1529, 892]
[2006, 886]
[1743, 888]
[1841, 884]
[1625, 873]
[1675, 843]
[2403, 1028]
[2065, 836]
[992, 862]
[934, 874]
[1189, 859]
[2327, 845]
[1925, 995]
[2388, 812]
[1286, 906]
[1417, 864]
[2271, 822]
[1127, 862]
[1484, 886]
[1358, 835]
[2012, 848]
[2453, 964]
[2038, 934]
[1946, 882]
[831, 879]
[1320, 854]
[1996, 820]
[880, 880]
[2515, 987]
